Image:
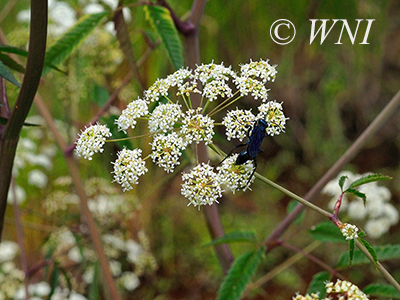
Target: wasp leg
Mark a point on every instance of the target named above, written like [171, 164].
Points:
[230, 153]
[251, 176]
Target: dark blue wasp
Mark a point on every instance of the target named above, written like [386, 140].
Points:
[256, 135]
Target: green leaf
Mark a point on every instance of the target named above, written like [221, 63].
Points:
[160, 19]
[341, 181]
[351, 250]
[63, 47]
[12, 64]
[357, 194]
[383, 253]
[317, 285]
[54, 279]
[236, 236]
[368, 179]
[14, 50]
[327, 232]
[6, 74]
[382, 290]
[239, 275]
[370, 250]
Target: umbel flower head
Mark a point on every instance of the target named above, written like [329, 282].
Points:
[343, 289]
[174, 124]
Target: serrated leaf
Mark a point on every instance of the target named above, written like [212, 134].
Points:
[236, 236]
[370, 250]
[382, 290]
[327, 232]
[341, 181]
[383, 253]
[63, 47]
[239, 275]
[368, 179]
[161, 20]
[6, 74]
[357, 194]
[317, 285]
[351, 250]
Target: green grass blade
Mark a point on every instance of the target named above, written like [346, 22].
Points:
[59, 51]
[161, 20]
[239, 275]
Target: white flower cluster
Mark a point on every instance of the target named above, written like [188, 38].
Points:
[128, 167]
[349, 231]
[379, 214]
[235, 176]
[173, 126]
[345, 289]
[91, 141]
[134, 110]
[119, 250]
[238, 122]
[201, 185]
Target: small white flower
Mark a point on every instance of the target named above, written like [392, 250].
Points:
[164, 117]
[391, 214]
[166, 150]
[251, 86]
[261, 69]
[37, 178]
[133, 111]
[91, 141]
[201, 186]
[349, 231]
[8, 250]
[197, 127]
[178, 77]
[209, 72]
[356, 210]
[348, 289]
[237, 123]
[235, 176]
[187, 88]
[158, 89]
[75, 254]
[216, 88]
[135, 250]
[128, 167]
[375, 228]
[272, 112]
[129, 281]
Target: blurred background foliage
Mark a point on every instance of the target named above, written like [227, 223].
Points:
[330, 92]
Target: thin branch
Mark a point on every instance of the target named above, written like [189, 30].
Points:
[384, 116]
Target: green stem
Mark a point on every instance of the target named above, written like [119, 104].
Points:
[380, 120]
